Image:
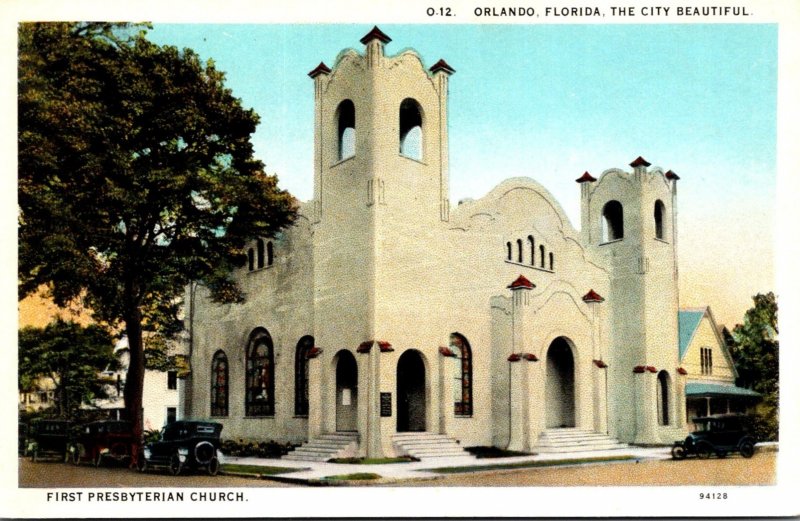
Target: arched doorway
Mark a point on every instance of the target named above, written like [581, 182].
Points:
[410, 392]
[560, 385]
[346, 392]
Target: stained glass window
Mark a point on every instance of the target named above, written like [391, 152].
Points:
[260, 395]
[462, 387]
[219, 384]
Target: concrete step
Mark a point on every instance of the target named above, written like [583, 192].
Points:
[325, 447]
[425, 445]
[575, 440]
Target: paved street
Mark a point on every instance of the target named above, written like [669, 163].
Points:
[59, 475]
[735, 470]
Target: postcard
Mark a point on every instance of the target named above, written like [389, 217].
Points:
[408, 260]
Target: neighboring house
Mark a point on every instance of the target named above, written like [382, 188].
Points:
[711, 379]
[384, 311]
[40, 396]
[160, 396]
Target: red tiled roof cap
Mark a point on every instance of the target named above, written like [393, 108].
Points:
[530, 357]
[514, 357]
[682, 371]
[521, 282]
[385, 346]
[601, 364]
[592, 296]
[640, 161]
[585, 178]
[320, 69]
[313, 352]
[652, 369]
[364, 347]
[446, 351]
[639, 369]
[374, 34]
[671, 175]
[442, 65]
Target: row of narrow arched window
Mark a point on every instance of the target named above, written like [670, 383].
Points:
[527, 252]
[410, 125]
[260, 377]
[260, 257]
[613, 222]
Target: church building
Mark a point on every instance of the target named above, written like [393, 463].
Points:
[384, 311]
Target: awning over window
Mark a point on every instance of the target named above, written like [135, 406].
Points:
[706, 390]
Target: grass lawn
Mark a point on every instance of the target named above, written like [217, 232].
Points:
[529, 464]
[255, 469]
[358, 476]
[372, 461]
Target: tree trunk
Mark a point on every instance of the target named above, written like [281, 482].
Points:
[134, 383]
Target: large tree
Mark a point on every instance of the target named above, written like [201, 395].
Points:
[136, 177]
[72, 356]
[754, 346]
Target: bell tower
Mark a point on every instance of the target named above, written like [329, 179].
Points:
[629, 223]
[380, 182]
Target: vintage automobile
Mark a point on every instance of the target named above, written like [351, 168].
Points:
[48, 438]
[103, 440]
[720, 435]
[184, 444]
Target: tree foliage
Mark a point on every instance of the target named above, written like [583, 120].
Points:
[136, 176]
[754, 346]
[72, 356]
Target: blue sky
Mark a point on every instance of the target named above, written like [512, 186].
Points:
[550, 101]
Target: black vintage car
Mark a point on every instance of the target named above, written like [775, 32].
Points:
[183, 445]
[720, 435]
[103, 440]
[48, 438]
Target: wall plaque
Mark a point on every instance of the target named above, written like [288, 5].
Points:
[386, 405]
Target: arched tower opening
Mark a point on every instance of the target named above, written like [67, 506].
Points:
[411, 402]
[662, 398]
[613, 229]
[411, 129]
[346, 119]
[346, 391]
[658, 219]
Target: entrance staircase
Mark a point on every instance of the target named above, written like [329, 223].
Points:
[326, 446]
[425, 445]
[553, 441]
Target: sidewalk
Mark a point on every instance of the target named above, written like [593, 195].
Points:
[311, 472]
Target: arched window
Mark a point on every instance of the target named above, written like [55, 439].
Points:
[260, 385]
[662, 398]
[260, 252]
[250, 260]
[270, 254]
[658, 217]
[411, 129]
[532, 244]
[301, 375]
[346, 118]
[462, 386]
[508, 252]
[519, 250]
[219, 384]
[541, 255]
[612, 221]
[551, 261]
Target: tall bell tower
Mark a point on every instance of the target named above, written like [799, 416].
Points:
[629, 222]
[380, 182]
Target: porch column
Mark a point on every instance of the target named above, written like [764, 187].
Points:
[646, 410]
[315, 393]
[447, 365]
[520, 427]
[599, 371]
[369, 424]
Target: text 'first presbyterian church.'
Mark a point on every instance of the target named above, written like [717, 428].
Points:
[383, 317]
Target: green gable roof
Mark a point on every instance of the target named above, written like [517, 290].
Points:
[687, 325]
[695, 390]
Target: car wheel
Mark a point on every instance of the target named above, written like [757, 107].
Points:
[747, 449]
[704, 451]
[141, 463]
[678, 452]
[98, 459]
[175, 465]
[204, 452]
[213, 467]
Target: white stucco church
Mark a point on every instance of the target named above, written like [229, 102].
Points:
[384, 311]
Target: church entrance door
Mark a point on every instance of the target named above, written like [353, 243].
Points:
[346, 392]
[560, 385]
[411, 392]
